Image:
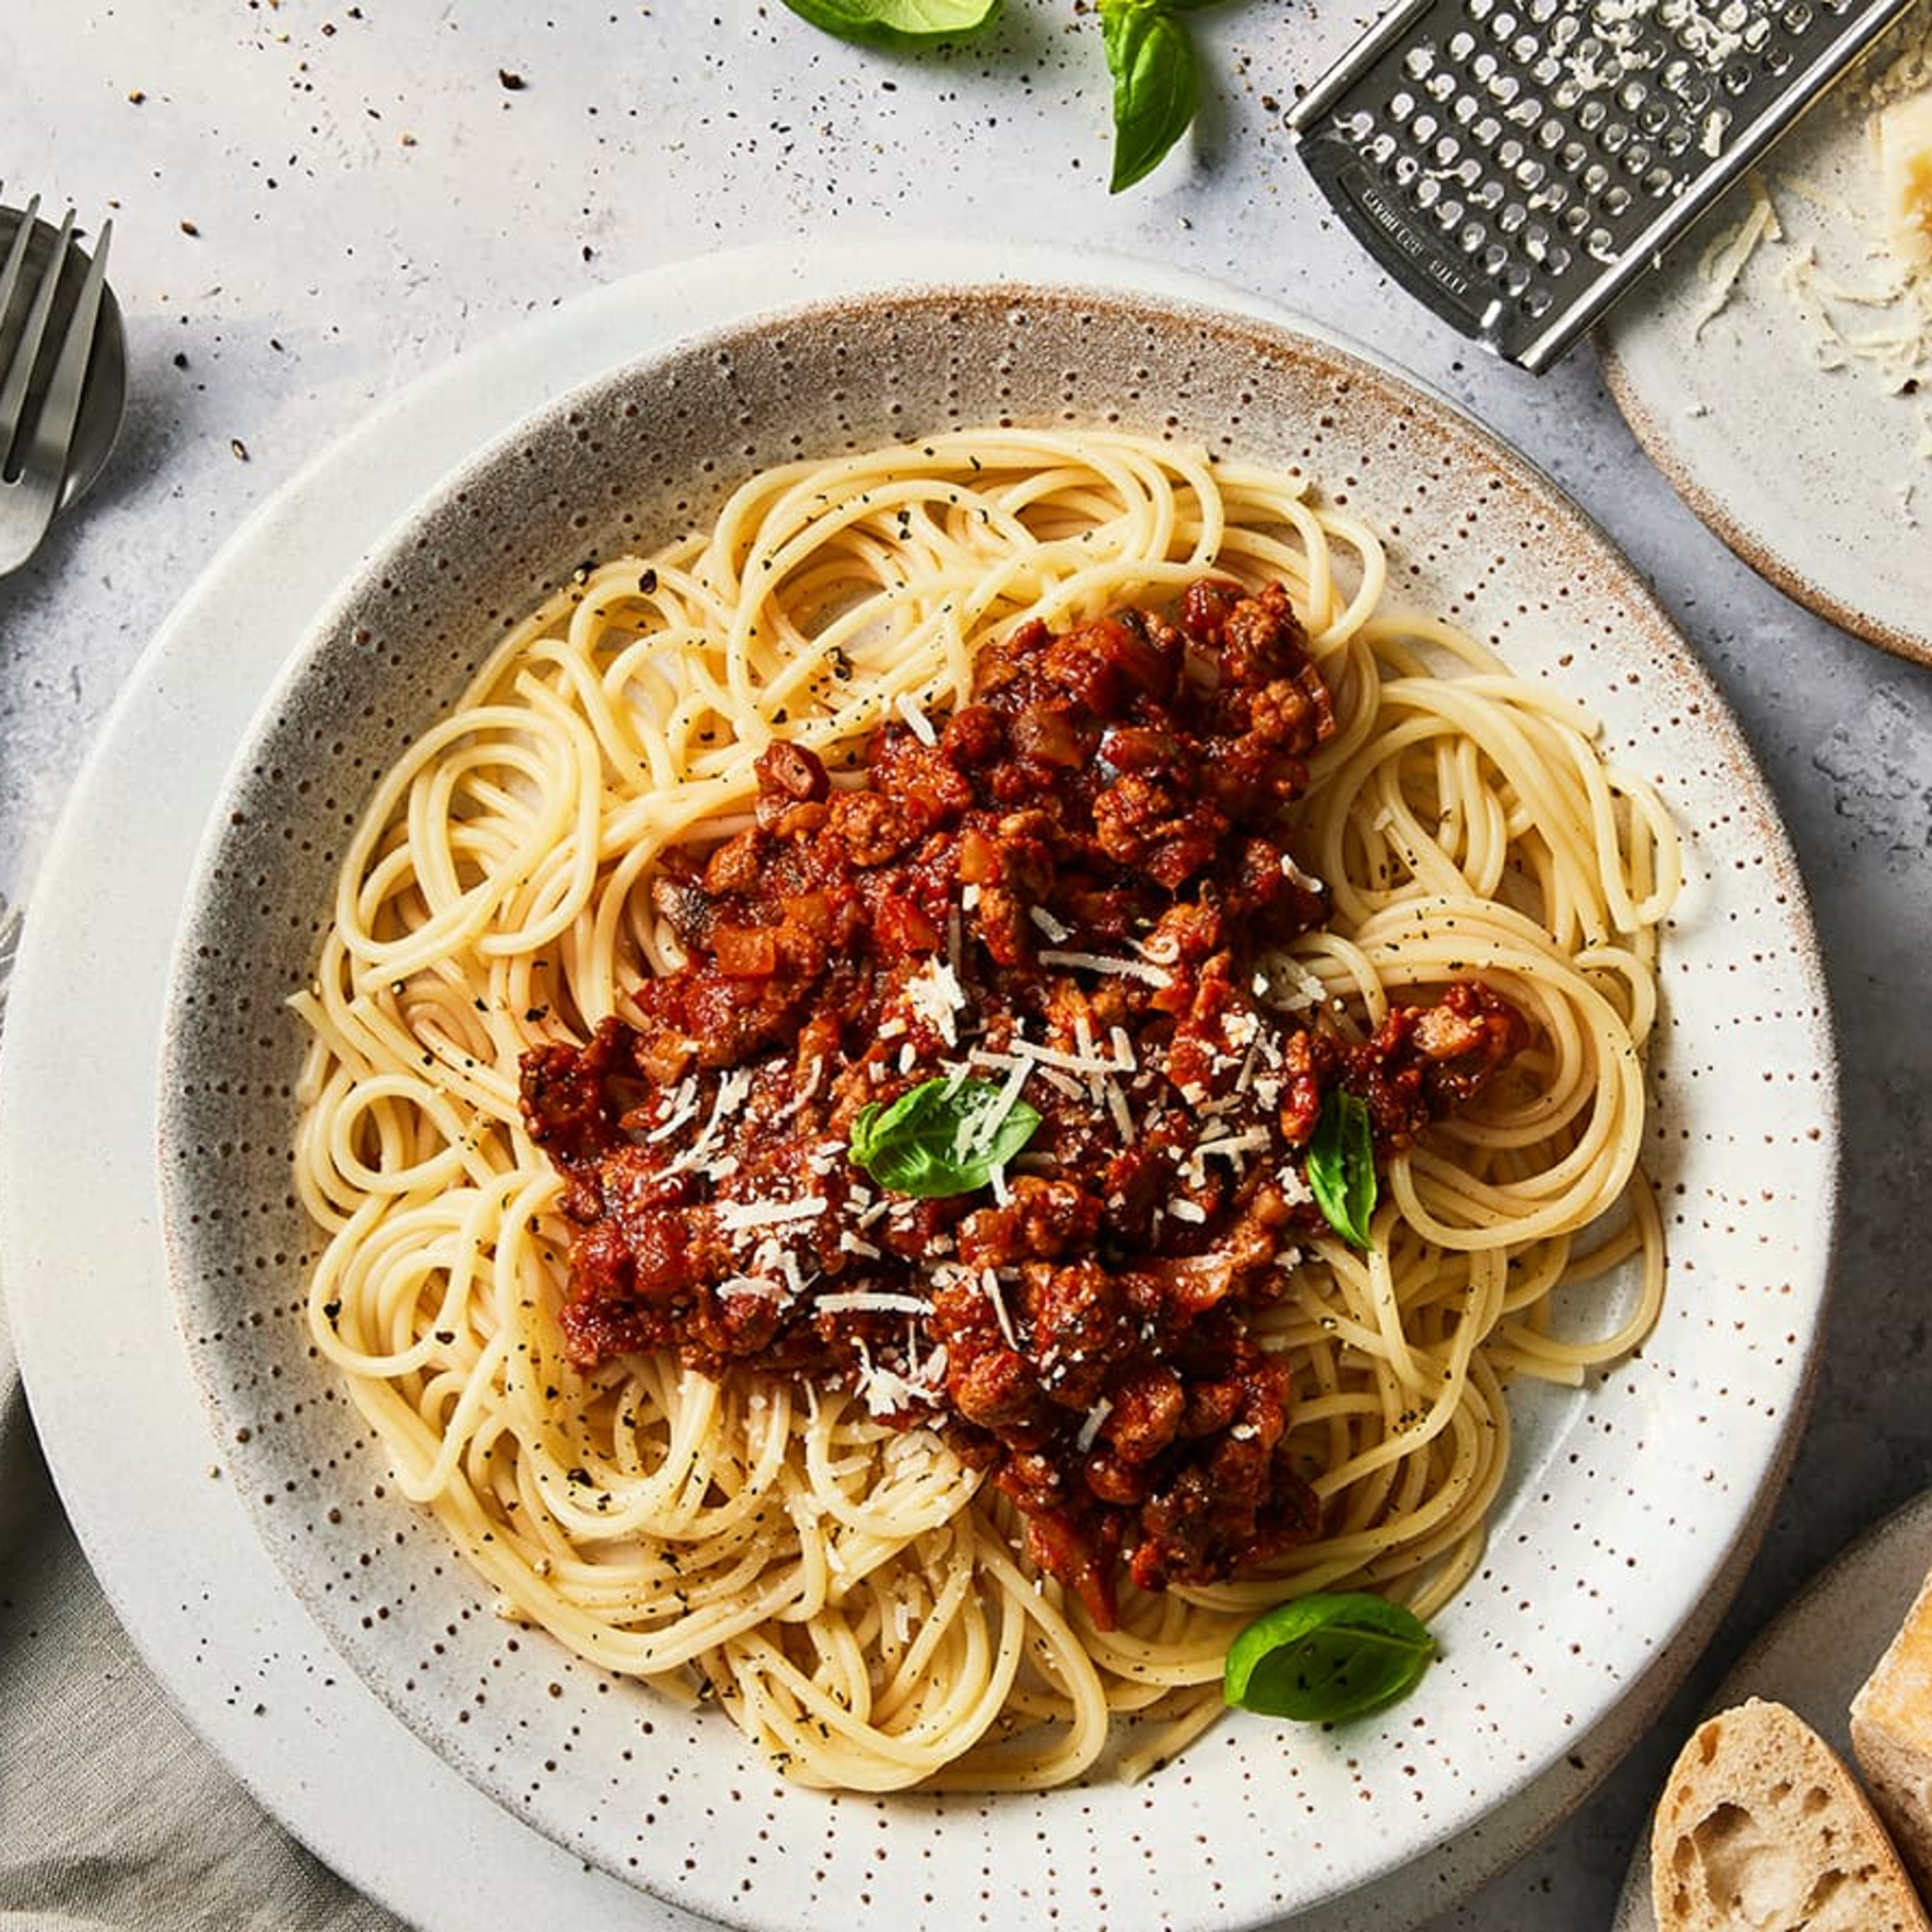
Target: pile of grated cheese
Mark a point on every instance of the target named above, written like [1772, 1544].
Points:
[1855, 266]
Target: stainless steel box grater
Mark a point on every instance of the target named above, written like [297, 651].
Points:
[1517, 164]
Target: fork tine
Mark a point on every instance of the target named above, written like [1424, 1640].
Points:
[53, 431]
[19, 372]
[17, 254]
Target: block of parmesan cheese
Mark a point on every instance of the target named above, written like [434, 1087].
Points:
[1905, 175]
[1891, 1737]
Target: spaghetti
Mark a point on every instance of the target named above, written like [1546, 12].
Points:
[853, 1592]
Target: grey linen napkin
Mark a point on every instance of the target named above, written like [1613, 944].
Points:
[114, 1817]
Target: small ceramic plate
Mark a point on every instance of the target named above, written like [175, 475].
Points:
[1817, 1652]
[1628, 1501]
[1820, 477]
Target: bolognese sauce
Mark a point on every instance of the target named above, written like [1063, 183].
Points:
[1072, 894]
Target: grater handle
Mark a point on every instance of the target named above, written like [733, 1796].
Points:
[1434, 274]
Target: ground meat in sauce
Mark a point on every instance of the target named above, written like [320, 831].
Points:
[1070, 888]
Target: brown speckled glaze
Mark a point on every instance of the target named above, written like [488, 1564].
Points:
[1625, 1499]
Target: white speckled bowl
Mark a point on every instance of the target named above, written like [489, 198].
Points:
[1630, 1501]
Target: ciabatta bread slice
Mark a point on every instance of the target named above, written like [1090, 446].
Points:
[1891, 1737]
[1762, 1828]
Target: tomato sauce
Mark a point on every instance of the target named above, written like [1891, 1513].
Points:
[1072, 893]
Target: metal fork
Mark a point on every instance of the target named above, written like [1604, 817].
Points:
[37, 443]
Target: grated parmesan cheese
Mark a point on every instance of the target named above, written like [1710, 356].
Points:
[937, 998]
[870, 1301]
[735, 1216]
[1096, 962]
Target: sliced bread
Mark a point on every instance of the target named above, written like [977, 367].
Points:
[1762, 1828]
[1891, 1737]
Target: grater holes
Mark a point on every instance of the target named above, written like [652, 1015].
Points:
[1658, 182]
[1417, 63]
[1401, 106]
[1382, 149]
[1614, 138]
[1576, 218]
[1549, 136]
[1777, 60]
[1439, 87]
[1616, 201]
[1738, 77]
[1688, 84]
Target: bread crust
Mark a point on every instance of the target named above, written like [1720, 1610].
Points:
[1762, 1828]
[1891, 1737]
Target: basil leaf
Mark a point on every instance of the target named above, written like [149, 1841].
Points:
[1326, 1657]
[1156, 84]
[886, 20]
[1341, 1166]
[941, 1137]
